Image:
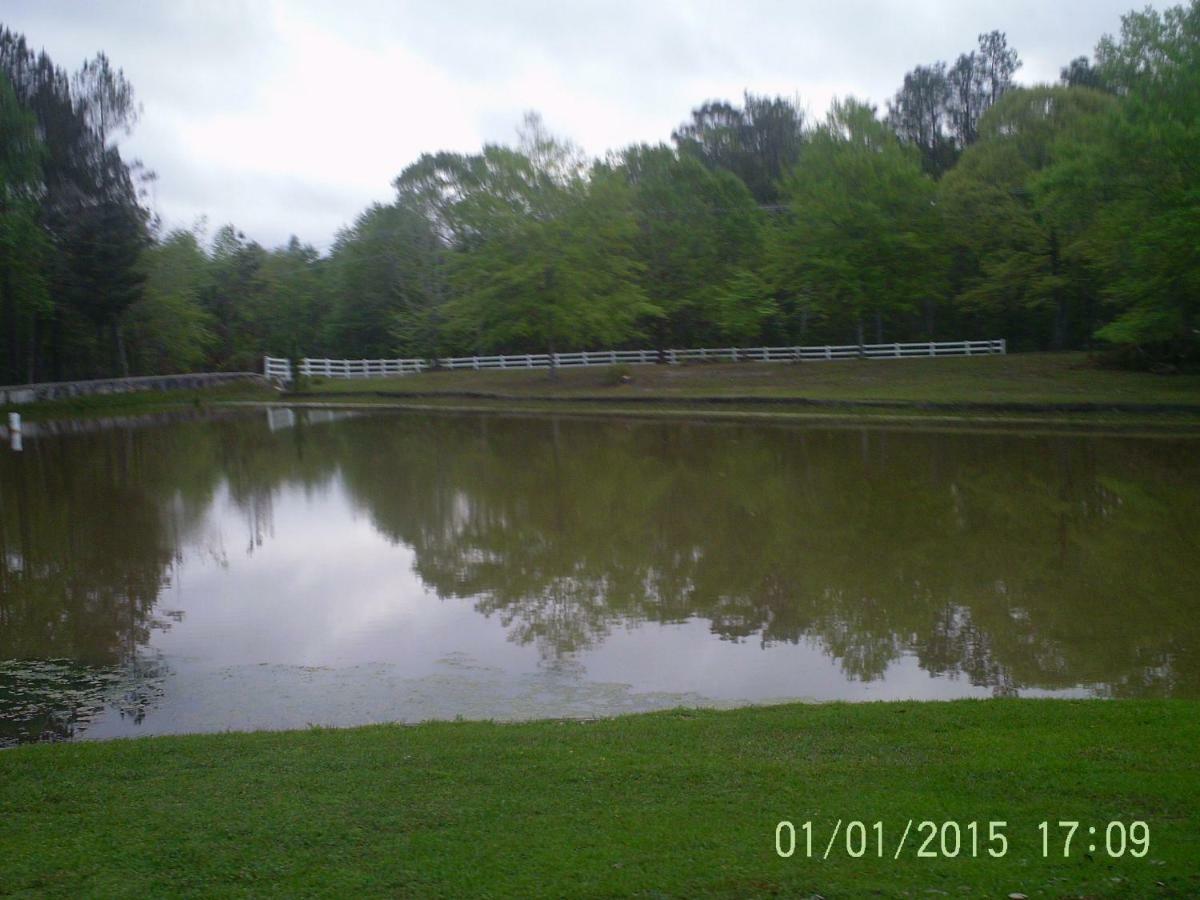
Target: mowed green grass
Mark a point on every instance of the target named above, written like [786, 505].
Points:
[678, 804]
[1019, 378]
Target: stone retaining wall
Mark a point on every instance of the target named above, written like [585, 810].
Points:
[18, 394]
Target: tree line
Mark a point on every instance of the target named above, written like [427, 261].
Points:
[1057, 216]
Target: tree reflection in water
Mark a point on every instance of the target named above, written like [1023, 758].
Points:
[1013, 561]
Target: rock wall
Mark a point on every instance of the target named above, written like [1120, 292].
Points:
[15, 395]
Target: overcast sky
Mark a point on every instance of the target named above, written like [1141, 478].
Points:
[290, 117]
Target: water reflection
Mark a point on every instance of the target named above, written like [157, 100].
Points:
[726, 562]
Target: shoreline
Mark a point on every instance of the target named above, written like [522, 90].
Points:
[1064, 391]
[848, 417]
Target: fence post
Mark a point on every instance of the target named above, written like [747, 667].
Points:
[828, 352]
[967, 344]
[896, 348]
[931, 350]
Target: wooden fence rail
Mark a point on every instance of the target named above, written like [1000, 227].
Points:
[281, 369]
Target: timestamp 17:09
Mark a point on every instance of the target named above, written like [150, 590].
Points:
[1119, 838]
[950, 839]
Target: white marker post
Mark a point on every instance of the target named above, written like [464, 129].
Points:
[14, 430]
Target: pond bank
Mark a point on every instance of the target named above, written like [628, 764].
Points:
[682, 803]
[994, 391]
[847, 416]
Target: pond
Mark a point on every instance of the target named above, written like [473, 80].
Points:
[291, 568]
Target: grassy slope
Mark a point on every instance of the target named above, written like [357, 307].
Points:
[1025, 378]
[677, 804]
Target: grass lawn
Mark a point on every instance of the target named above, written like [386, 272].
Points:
[682, 804]
[1019, 378]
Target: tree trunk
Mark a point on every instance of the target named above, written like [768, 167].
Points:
[858, 331]
[1058, 337]
[122, 359]
[56, 367]
[878, 327]
[12, 366]
[31, 361]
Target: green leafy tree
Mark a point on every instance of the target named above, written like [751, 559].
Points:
[387, 274]
[862, 239]
[294, 300]
[1134, 179]
[698, 230]
[1018, 263]
[168, 329]
[546, 258]
[233, 297]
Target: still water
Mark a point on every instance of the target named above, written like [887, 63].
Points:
[280, 570]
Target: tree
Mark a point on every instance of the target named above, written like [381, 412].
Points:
[293, 299]
[1132, 181]
[1018, 265]
[545, 257]
[103, 280]
[977, 80]
[106, 98]
[168, 329]
[862, 234]
[758, 142]
[697, 230]
[387, 274]
[918, 114]
[87, 205]
[1081, 73]
[234, 298]
[24, 300]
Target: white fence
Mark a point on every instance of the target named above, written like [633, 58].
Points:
[281, 369]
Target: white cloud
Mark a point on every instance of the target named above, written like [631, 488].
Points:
[291, 117]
